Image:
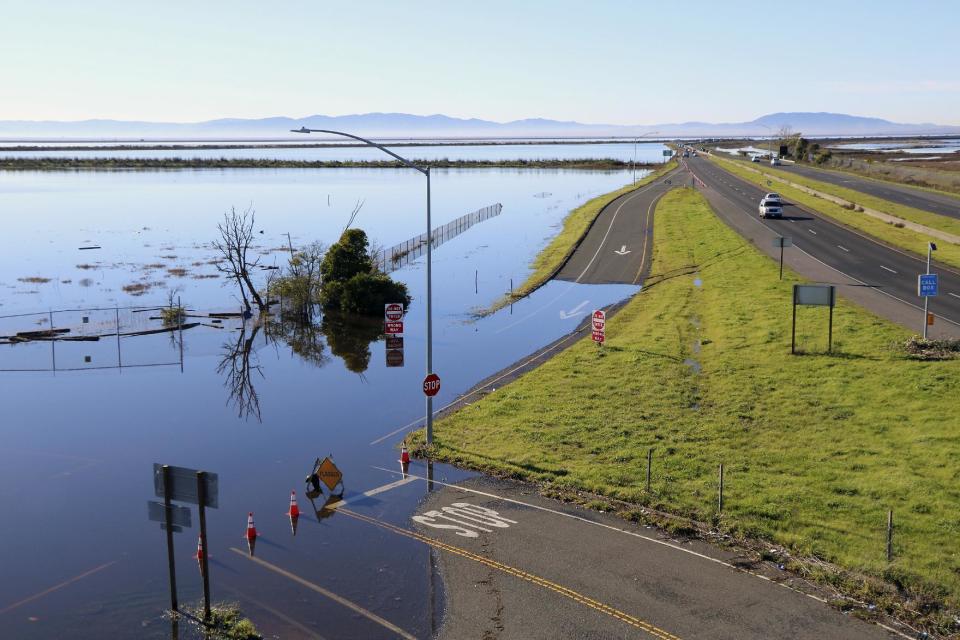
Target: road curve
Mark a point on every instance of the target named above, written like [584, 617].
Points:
[863, 261]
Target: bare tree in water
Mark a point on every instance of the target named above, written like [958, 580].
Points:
[236, 239]
[239, 371]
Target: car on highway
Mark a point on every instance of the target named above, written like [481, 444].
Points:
[755, 159]
[773, 196]
[771, 208]
[775, 161]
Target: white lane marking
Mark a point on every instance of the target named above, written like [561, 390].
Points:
[840, 246]
[372, 492]
[812, 231]
[576, 311]
[888, 269]
[471, 517]
[952, 294]
[610, 228]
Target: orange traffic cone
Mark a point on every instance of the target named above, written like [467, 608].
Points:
[294, 512]
[251, 534]
[404, 454]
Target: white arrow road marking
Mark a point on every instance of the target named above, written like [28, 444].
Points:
[623, 251]
[576, 311]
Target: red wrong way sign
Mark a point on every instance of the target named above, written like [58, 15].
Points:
[599, 323]
[393, 311]
[431, 384]
[393, 328]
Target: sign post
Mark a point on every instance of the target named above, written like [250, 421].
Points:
[598, 323]
[818, 295]
[781, 241]
[204, 566]
[927, 287]
[393, 327]
[168, 508]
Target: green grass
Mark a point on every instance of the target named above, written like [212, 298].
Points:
[575, 226]
[816, 447]
[899, 237]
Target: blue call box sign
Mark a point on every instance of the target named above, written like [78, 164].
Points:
[927, 286]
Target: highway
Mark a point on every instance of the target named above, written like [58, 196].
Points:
[922, 199]
[865, 261]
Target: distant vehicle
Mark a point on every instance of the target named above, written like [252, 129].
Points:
[775, 161]
[771, 209]
[755, 159]
[773, 196]
[686, 154]
[693, 154]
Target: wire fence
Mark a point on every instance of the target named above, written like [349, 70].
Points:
[400, 255]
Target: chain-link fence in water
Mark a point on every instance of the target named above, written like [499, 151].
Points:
[400, 255]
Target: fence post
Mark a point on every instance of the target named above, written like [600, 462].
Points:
[53, 344]
[119, 358]
[649, 464]
[890, 535]
[720, 492]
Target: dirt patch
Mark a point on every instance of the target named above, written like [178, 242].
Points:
[85, 266]
[35, 280]
[137, 288]
[178, 272]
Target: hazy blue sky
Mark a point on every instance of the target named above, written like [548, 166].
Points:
[591, 61]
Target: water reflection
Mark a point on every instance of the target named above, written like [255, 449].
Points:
[349, 338]
[239, 363]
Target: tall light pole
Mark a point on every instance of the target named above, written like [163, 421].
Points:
[769, 139]
[635, 138]
[426, 172]
[931, 247]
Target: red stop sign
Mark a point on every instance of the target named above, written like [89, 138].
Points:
[431, 384]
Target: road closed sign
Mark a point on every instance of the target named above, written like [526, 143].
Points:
[431, 385]
[393, 312]
[599, 324]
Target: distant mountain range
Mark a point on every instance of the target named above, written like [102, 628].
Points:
[402, 125]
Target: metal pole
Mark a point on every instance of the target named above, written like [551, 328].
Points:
[781, 258]
[205, 567]
[429, 313]
[119, 360]
[793, 333]
[830, 326]
[926, 299]
[720, 493]
[180, 331]
[168, 509]
[53, 343]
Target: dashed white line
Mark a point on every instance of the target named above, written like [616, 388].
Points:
[952, 294]
[812, 231]
[888, 269]
[843, 248]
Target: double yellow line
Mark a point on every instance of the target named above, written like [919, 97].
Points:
[523, 575]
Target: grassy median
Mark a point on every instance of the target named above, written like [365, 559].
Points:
[575, 227]
[900, 237]
[697, 367]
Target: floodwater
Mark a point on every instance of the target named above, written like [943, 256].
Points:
[626, 151]
[256, 406]
[926, 146]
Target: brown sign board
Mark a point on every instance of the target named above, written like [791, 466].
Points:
[329, 474]
[183, 485]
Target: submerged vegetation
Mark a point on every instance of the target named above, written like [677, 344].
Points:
[351, 282]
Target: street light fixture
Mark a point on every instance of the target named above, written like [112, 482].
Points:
[635, 138]
[426, 172]
[769, 139]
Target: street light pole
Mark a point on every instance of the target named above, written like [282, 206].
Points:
[926, 299]
[426, 172]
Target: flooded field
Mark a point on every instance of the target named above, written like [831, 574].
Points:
[255, 404]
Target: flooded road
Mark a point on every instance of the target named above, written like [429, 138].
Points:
[255, 406]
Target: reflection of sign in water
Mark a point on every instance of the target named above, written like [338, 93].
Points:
[395, 357]
[329, 473]
[183, 485]
[179, 516]
[394, 342]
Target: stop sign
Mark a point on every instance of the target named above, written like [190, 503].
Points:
[431, 384]
[393, 311]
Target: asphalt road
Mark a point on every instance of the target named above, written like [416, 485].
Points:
[618, 247]
[901, 194]
[864, 261]
[516, 565]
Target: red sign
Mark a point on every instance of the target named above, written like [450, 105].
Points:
[393, 328]
[393, 311]
[431, 384]
[395, 358]
[394, 342]
[599, 320]
[598, 336]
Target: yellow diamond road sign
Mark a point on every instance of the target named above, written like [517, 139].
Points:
[329, 473]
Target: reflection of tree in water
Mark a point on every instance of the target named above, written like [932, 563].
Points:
[236, 364]
[349, 337]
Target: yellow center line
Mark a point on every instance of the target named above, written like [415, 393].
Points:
[646, 238]
[523, 575]
[369, 615]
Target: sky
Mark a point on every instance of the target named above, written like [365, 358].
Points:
[623, 62]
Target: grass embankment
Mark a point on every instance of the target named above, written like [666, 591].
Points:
[903, 238]
[575, 227]
[112, 164]
[816, 447]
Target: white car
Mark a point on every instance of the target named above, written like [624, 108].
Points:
[773, 196]
[775, 161]
[771, 208]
